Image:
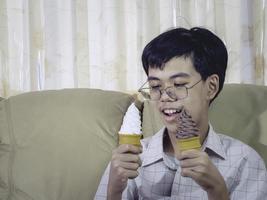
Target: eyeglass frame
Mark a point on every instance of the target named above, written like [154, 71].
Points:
[165, 89]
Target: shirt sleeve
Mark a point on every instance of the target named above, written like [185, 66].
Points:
[251, 179]
[130, 192]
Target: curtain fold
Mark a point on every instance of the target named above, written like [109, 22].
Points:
[53, 44]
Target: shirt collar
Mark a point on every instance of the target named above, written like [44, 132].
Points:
[153, 152]
[213, 143]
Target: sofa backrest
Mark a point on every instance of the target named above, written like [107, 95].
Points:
[56, 144]
[240, 111]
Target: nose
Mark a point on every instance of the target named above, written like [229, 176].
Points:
[165, 96]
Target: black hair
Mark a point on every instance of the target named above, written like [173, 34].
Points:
[207, 51]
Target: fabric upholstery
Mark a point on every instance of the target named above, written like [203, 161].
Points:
[56, 144]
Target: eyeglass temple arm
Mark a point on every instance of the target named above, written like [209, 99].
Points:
[140, 89]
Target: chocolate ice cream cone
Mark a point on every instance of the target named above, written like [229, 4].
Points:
[189, 143]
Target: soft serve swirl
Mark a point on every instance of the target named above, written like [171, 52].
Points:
[131, 121]
[187, 126]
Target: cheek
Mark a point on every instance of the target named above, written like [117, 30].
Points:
[195, 107]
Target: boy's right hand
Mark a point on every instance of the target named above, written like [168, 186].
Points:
[124, 164]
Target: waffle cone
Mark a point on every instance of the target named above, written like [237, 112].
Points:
[189, 143]
[130, 139]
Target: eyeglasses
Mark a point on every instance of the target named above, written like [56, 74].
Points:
[175, 92]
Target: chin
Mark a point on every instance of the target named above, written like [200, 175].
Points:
[172, 127]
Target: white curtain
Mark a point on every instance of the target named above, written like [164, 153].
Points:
[53, 44]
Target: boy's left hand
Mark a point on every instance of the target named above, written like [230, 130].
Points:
[197, 165]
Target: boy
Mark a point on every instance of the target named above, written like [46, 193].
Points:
[186, 70]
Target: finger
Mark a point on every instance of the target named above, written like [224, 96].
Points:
[131, 173]
[128, 148]
[190, 162]
[197, 173]
[123, 174]
[129, 165]
[188, 172]
[201, 160]
[192, 153]
[127, 157]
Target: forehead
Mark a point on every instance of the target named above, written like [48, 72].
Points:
[179, 67]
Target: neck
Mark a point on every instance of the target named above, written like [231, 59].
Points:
[169, 143]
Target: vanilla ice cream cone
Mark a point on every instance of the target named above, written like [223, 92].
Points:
[133, 139]
[130, 132]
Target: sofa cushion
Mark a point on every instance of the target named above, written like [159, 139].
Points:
[239, 111]
[56, 144]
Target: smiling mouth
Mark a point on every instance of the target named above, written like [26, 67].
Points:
[168, 112]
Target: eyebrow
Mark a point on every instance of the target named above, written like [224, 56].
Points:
[178, 75]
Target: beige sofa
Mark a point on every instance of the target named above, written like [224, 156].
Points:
[55, 145]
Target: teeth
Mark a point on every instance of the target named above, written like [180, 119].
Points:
[170, 111]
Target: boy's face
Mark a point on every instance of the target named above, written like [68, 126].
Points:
[181, 71]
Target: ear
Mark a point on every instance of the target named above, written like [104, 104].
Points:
[212, 86]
